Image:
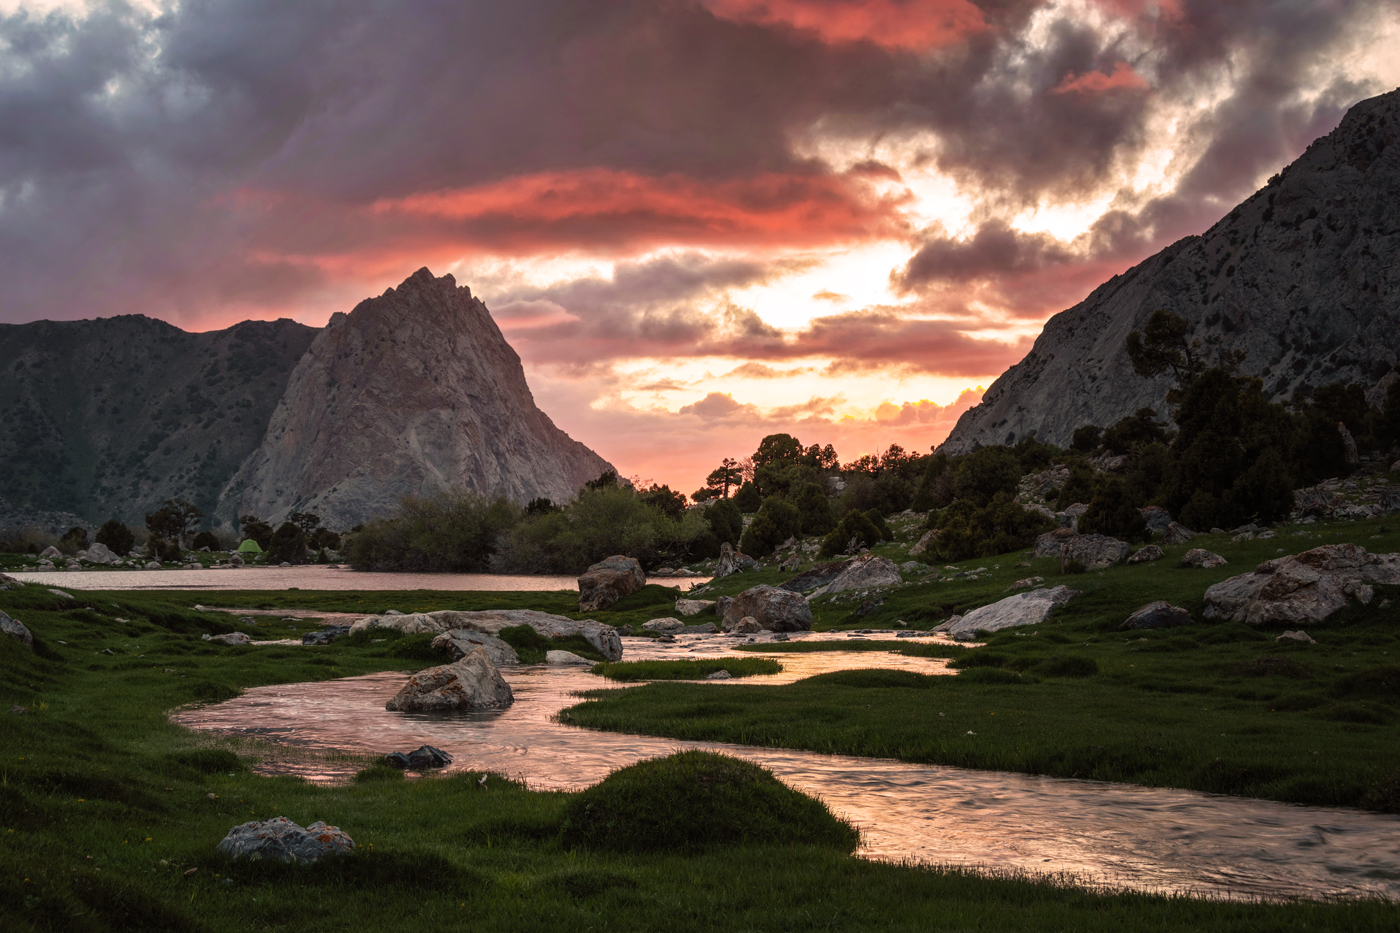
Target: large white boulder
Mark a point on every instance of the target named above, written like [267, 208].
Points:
[1029, 608]
[868, 571]
[473, 683]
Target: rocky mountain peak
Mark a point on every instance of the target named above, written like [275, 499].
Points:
[1303, 277]
[408, 394]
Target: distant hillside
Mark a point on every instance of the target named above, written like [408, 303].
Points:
[1304, 277]
[110, 417]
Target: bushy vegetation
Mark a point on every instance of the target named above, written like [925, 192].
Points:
[452, 531]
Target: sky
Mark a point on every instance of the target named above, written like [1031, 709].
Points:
[698, 222]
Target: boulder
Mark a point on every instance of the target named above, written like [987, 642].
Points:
[1025, 584]
[1160, 614]
[564, 657]
[234, 560]
[817, 577]
[324, 636]
[16, 629]
[704, 628]
[868, 571]
[718, 675]
[1146, 555]
[608, 581]
[1177, 533]
[459, 642]
[51, 553]
[1022, 609]
[1353, 456]
[693, 607]
[666, 626]
[774, 609]
[101, 554]
[1306, 587]
[232, 638]
[1049, 544]
[420, 759]
[152, 565]
[473, 683]
[748, 625]
[1317, 501]
[1157, 518]
[732, 561]
[1071, 515]
[1095, 552]
[923, 543]
[1299, 637]
[491, 621]
[1200, 557]
[281, 840]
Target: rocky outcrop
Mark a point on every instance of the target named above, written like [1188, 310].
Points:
[732, 561]
[609, 580]
[1300, 277]
[817, 577]
[868, 571]
[693, 607]
[491, 621]
[281, 840]
[1200, 557]
[1146, 555]
[1160, 614]
[1050, 543]
[1177, 533]
[774, 609]
[1022, 609]
[411, 393]
[1305, 587]
[1094, 552]
[461, 642]
[472, 683]
[16, 630]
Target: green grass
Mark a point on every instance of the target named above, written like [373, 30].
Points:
[686, 669]
[106, 806]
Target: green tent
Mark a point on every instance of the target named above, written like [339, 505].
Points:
[249, 547]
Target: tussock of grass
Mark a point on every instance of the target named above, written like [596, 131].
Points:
[686, 669]
[697, 800]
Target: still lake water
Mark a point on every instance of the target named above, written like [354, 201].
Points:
[1114, 835]
[310, 577]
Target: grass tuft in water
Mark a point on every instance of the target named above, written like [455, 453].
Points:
[686, 669]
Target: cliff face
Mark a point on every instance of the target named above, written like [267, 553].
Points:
[1304, 277]
[108, 418]
[410, 393]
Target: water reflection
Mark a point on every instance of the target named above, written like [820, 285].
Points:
[1111, 834]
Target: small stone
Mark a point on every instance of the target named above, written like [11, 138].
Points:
[719, 675]
[1299, 637]
[564, 657]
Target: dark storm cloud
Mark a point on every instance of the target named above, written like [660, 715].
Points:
[994, 250]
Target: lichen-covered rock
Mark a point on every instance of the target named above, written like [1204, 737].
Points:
[459, 642]
[1146, 555]
[1157, 518]
[1022, 609]
[1177, 533]
[1160, 614]
[1200, 557]
[281, 840]
[1306, 587]
[868, 571]
[666, 626]
[774, 609]
[491, 621]
[693, 607]
[1049, 544]
[473, 683]
[609, 580]
[1095, 552]
[1025, 584]
[16, 630]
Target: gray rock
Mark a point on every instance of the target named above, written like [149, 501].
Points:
[100, 553]
[732, 561]
[1072, 513]
[1177, 533]
[913, 566]
[1299, 637]
[1160, 614]
[923, 544]
[1095, 552]
[235, 560]
[491, 621]
[748, 625]
[1200, 557]
[1302, 588]
[868, 571]
[459, 642]
[1049, 544]
[1157, 519]
[17, 630]
[231, 638]
[423, 758]
[1024, 584]
[61, 594]
[281, 840]
[1146, 555]
[152, 565]
[1022, 609]
[473, 683]
[666, 626]
[609, 580]
[774, 609]
[564, 658]
[693, 607]
[815, 578]
[719, 675]
[51, 553]
[704, 628]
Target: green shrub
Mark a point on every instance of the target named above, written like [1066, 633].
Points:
[775, 522]
[116, 536]
[985, 473]
[1078, 487]
[967, 530]
[288, 544]
[726, 521]
[815, 508]
[454, 531]
[1112, 512]
[747, 498]
[697, 800]
[855, 525]
[205, 539]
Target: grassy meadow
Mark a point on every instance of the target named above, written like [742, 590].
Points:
[109, 813]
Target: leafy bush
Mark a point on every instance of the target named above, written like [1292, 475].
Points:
[985, 473]
[74, 540]
[747, 498]
[967, 530]
[457, 530]
[726, 521]
[1111, 512]
[775, 522]
[1078, 487]
[854, 525]
[205, 539]
[116, 536]
[1086, 438]
[288, 544]
[697, 800]
[815, 508]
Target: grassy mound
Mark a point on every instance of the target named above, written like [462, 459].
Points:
[686, 669]
[696, 800]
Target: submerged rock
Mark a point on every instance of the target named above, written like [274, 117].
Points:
[472, 683]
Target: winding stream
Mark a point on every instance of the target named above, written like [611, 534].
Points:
[1111, 835]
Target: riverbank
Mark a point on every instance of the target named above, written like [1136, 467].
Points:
[108, 806]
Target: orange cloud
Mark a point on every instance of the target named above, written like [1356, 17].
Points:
[1123, 78]
[899, 24]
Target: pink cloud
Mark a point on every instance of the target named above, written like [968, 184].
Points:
[1123, 78]
[911, 24]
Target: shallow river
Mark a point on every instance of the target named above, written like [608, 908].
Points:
[309, 577]
[1113, 835]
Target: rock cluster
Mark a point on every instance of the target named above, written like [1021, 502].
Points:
[491, 621]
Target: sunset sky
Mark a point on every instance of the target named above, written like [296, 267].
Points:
[697, 221]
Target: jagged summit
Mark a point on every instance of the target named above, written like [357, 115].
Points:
[409, 393]
[1304, 277]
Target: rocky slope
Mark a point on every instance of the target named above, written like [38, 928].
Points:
[410, 393]
[1304, 277]
[108, 418]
